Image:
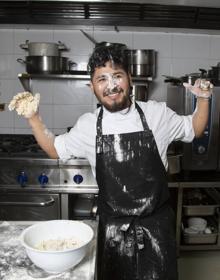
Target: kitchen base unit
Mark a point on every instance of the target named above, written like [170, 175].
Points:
[200, 200]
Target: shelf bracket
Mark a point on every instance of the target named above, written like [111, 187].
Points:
[26, 81]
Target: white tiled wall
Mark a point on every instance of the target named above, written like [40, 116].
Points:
[63, 101]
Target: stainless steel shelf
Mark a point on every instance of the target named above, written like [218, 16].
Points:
[200, 247]
[26, 78]
[54, 76]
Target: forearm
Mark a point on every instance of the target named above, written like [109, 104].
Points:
[200, 116]
[43, 136]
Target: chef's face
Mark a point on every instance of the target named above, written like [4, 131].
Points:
[111, 86]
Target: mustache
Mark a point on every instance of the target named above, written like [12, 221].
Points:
[112, 91]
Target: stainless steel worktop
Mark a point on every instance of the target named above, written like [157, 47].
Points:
[15, 264]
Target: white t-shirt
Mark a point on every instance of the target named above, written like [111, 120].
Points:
[165, 124]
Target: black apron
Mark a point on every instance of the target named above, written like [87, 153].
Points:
[136, 236]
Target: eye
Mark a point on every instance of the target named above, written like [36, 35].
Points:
[102, 79]
[118, 76]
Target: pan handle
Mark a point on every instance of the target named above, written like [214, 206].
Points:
[25, 45]
[71, 65]
[89, 37]
[62, 46]
[49, 202]
[22, 61]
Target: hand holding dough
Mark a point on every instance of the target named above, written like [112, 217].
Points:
[202, 88]
[25, 104]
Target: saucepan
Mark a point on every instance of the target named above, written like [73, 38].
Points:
[47, 64]
[43, 48]
[142, 62]
[188, 78]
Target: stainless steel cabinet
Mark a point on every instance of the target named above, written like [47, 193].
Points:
[208, 210]
[29, 206]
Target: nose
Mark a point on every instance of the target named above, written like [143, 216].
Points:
[111, 83]
[114, 89]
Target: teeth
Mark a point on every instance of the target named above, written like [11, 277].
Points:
[111, 93]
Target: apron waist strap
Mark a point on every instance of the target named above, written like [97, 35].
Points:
[136, 226]
[138, 232]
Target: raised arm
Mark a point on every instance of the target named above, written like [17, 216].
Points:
[27, 105]
[200, 116]
[202, 89]
[43, 136]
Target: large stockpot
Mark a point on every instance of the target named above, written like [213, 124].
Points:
[46, 64]
[43, 48]
[142, 62]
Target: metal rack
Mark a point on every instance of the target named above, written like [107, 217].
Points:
[183, 186]
[26, 79]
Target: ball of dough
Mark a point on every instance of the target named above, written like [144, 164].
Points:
[25, 103]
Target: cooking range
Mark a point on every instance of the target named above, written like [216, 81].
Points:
[35, 187]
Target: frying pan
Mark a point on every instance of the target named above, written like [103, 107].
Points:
[102, 44]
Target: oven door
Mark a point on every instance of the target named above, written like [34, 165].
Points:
[29, 207]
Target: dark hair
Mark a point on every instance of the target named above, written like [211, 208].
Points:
[115, 53]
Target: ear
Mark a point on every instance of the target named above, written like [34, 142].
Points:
[91, 86]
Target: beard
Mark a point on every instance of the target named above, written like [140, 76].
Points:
[116, 105]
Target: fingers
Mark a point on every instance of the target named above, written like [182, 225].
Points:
[188, 86]
[201, 88]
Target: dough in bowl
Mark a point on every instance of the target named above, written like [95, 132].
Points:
[58, 244]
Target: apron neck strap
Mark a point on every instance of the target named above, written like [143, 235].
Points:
[141, 113]
[142, 116]
[99, 123]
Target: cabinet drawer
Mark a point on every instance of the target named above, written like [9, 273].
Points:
[202, 238]
[199, 210]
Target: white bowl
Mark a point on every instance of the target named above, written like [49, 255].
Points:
[56, 261]
[197, 223]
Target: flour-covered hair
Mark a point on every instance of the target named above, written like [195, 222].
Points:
[115, 53]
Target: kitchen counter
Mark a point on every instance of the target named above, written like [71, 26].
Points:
[15, 264]
[195, 176]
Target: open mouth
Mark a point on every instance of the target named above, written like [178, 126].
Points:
[113, 92]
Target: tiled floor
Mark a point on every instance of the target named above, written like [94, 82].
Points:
[199, 266]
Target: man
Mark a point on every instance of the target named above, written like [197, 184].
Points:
[126, 145]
